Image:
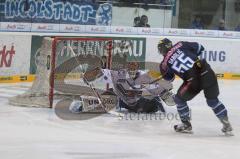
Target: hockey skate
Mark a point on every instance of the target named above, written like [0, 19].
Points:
[184, 127]
[227, 128]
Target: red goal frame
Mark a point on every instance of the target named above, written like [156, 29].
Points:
[54, 53]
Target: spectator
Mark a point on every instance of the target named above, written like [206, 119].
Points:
[144, 22]
[197, 23]
[238, 27]
[221, 25]
[136, 21]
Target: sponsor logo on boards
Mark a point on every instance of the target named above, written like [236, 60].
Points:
[6, 56]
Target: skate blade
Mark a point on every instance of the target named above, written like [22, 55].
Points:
[228, 133]
[185, 132]
[116, 114]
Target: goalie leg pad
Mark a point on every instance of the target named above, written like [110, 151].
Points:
[168, 97]
[158, 102]
[145, 105]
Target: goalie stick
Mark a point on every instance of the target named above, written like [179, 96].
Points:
[101, 101]
[97, 94]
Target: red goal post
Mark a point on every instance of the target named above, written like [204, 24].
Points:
[107, 46]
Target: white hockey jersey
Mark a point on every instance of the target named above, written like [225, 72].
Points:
[131, 90]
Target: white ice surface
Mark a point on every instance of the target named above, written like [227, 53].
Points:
[36, 133]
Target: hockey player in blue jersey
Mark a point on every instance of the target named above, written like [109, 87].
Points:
[182, 60]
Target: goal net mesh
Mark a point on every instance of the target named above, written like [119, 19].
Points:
[61, 63]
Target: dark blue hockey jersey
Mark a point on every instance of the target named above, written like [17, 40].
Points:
[179, 59]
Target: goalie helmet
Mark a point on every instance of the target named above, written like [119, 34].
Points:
[132, 69]
[164, 45]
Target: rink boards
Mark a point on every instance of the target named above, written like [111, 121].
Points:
[18, 49]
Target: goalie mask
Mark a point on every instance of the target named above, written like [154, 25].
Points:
[132, 69]
[164, 45]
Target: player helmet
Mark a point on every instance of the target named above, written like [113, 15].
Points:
[132, 68]
[164, 45]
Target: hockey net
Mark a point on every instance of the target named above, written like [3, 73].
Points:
[61, 63]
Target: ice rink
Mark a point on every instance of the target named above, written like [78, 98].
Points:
[37, 133]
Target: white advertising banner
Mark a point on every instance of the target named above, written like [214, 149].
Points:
[97, 29]
[45, 27]
[222, 54]
[12, 26]
[123, 30]
[150, 31]
[72, 28]
[15, 55]
[203, 33]
[176, 32]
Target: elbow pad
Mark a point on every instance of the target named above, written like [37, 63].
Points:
[167, 74]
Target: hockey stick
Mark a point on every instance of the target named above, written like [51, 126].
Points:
[95, 92]
[144, 84]
[101, 101]
[152, 82]
[156, 80]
